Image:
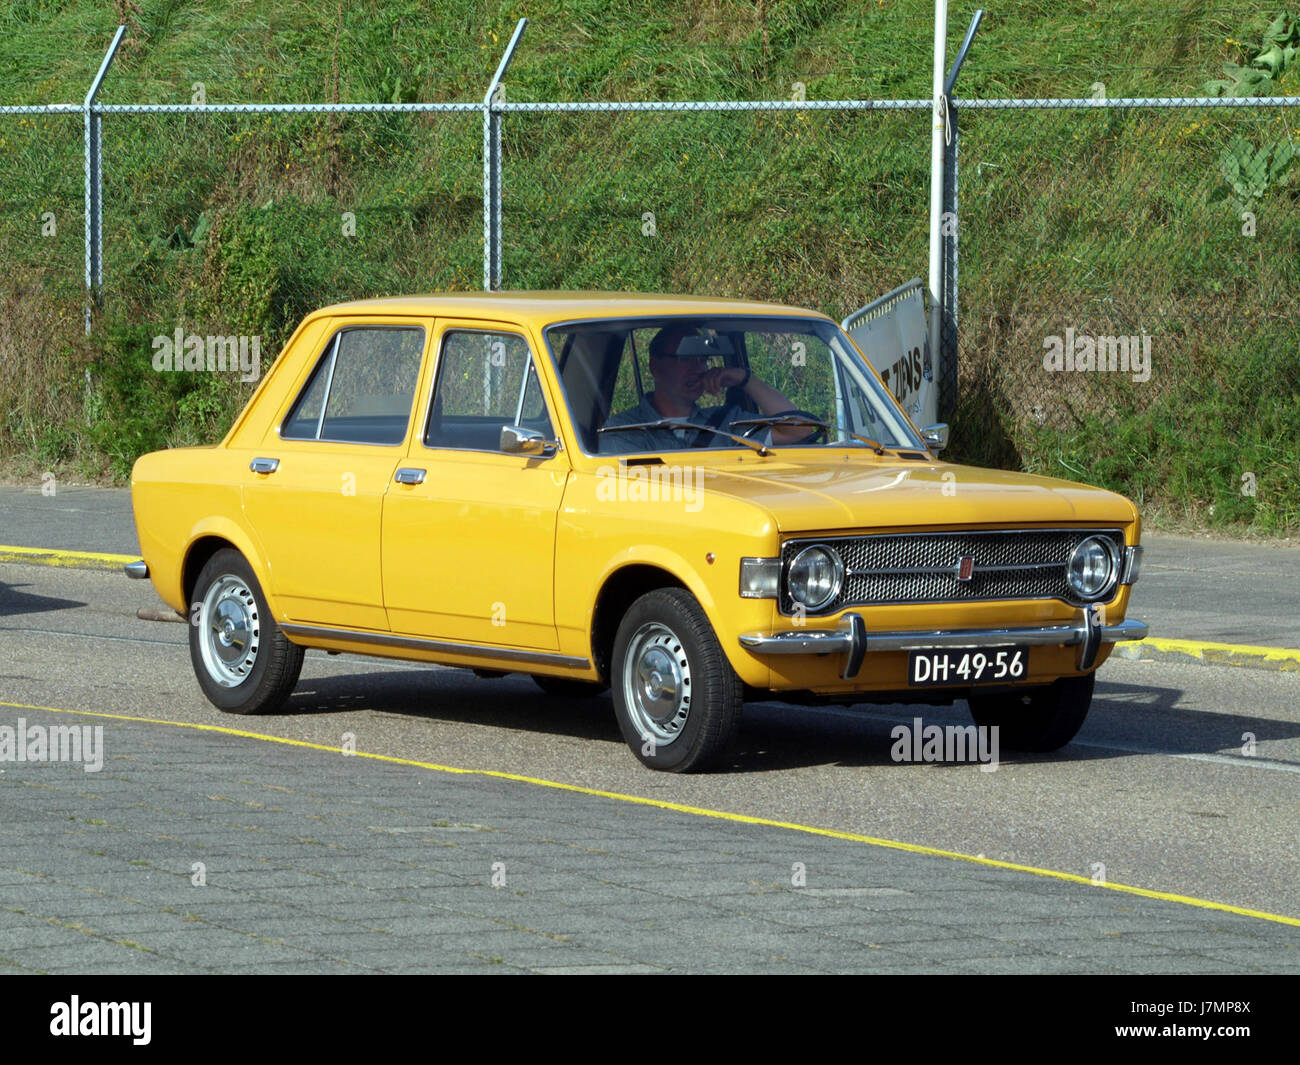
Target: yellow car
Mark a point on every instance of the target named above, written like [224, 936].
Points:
[690, 501]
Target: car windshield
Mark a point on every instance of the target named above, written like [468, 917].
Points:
[641, 385]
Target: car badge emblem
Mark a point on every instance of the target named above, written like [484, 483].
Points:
[965, 568]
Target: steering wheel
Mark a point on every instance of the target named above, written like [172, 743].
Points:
[811, 438]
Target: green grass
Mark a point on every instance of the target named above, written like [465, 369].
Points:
[1106, 223]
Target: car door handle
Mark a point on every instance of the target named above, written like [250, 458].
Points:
[264, 465]
[407, 475]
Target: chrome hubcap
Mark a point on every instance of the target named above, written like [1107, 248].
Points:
[229, 631]
[657, 684]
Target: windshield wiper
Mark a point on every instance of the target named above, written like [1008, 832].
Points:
[798, 419]
[682, 423]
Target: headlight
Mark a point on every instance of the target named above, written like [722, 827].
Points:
[1094, 567]
[815, 576]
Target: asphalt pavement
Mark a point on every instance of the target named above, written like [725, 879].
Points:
[305, 861]
[483, 828]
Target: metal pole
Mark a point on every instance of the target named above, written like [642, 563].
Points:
[937, 133]
[489, 202]
[948, 350]
[947, 347]
[975, 21]
[95, 185]
[492, 168]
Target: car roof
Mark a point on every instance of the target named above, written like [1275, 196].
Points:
[543, 308]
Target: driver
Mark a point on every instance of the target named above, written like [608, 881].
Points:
[680, 380]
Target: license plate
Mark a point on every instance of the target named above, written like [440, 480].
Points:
[988, 665]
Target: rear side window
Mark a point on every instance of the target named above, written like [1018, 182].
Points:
[362, 388]
[485, 381]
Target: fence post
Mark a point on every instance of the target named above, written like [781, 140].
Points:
[938, 137]
[947, 341]
[95, 185]
[492, 168]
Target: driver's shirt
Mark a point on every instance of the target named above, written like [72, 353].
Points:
[668, 439]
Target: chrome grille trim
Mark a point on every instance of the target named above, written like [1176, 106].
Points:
[883, 569]
[942, 569]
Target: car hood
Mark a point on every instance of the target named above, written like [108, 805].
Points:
[845, 494]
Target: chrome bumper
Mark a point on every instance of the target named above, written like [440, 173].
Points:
[852, 639]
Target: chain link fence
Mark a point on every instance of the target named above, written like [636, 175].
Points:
[1129, 301]
[41, 216]
[252, 219]
[743, 204]
[1161, 235]
[42, 289]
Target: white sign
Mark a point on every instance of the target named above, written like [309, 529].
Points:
[892, 333]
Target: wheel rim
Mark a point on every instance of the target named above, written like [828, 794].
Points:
[229, 631]
[657, 684]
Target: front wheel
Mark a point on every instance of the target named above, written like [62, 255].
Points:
[243, 662]
[1037, 719]
[676, 697]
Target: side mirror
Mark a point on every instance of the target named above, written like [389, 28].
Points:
[935, 436]
[516, 440]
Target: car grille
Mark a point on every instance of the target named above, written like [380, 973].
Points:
[892, 568]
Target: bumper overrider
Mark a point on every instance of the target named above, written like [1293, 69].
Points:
[852, 639]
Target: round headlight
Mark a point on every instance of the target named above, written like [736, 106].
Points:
[1093, 567]
[816, 574]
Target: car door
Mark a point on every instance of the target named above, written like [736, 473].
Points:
[315, 490]
[469, 539]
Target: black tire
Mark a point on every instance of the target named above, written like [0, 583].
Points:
[243, 662]
[1037, 719]
[564, 688]
[691, 718]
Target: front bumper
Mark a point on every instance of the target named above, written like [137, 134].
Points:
[852, 639]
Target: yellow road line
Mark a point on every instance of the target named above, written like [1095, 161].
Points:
[699, 811]
[1285, 659]
[44, 556]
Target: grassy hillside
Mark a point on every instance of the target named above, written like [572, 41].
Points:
[1113, 223]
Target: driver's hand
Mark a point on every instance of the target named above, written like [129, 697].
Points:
[721, 377]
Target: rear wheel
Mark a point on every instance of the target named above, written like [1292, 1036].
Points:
[677, 699]
[1037, 719]
[243, 662]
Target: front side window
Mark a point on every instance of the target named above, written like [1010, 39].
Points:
[362, 388]
[486, 381]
